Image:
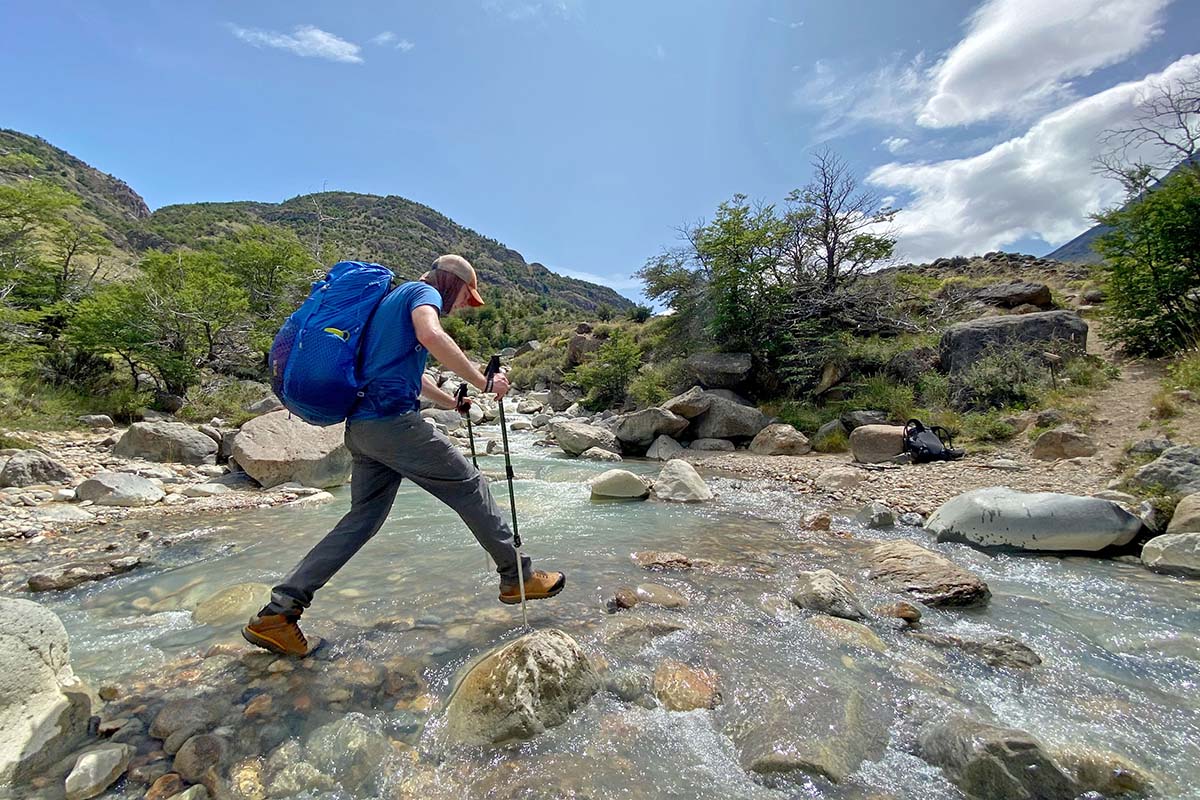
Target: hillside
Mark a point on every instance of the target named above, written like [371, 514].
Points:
[391, 230]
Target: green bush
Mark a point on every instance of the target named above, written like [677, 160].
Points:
[226, 399]
[836, 442]
[987, 427]
[657, 383]
[543, 365]
[1088, 372]
[607, 373]
[1009, 377]
[1184, 373]
[933, 390]
[804, 417]
[881, 393]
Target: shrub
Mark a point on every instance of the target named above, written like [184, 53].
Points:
[657, 383]
[1184, 373]
[836, 442]
[543, 365]
[607, 373]
[987, 427]
[1002, 378]
[1163, 406]
[802, 416]
[222, 398]
[884, 394]
[1088, 372]
[933, 390]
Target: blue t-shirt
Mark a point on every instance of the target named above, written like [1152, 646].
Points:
[393, 361]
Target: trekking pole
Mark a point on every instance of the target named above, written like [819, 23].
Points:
[493, 368]
[460, 398]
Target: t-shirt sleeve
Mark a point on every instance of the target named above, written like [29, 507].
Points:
[425, 295]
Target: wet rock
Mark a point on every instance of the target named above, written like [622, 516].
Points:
[664, 560]
[631, 684]
[713, 445]
[278, 447]
[931, 578]
[1176, 471]
[679, 482]
[1186, 518]
[912, 519]
[179, 720]
[33, 467]
[664, 449]
[726, 419]
[520, 689]
[70, 575]
[780, 440]
[197, 792]
[836, 478]
[166, 787]
[682, 688]
[619, 484]
[639, 429]
[874, 444]
[825, 592]
[1044, 521]
[987, 761]
[1105, 773]
[119, 489]
[903, 611]
[819, 521]
[720, 370]
[964, 343]
[599, 454]
[1173, 554]
[96, 770]
[576, 437]
[166, 441]
[520, 425]
[198, 754]
[231, 604]
[298, 778]
[876, 515]
[96, 420]
[847, 631]
[349, 749]
[1001, 651]
[1064, 442]
[624, 598]
[656, 594]
[690, 404]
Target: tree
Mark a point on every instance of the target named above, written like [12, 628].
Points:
[639, 314]
[605, 312]
[606, 374]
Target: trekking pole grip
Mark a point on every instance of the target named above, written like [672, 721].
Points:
[492, 370]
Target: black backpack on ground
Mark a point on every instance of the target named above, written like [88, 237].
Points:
[925, 444]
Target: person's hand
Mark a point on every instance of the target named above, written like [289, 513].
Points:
[463, 406]
[500, 385]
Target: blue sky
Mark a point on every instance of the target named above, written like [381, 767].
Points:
[584, 132]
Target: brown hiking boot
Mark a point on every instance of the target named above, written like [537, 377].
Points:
[538, 586]
[279, 634]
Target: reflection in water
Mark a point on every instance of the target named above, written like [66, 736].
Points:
[1120, 673]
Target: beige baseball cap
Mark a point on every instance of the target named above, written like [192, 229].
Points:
[461, 268]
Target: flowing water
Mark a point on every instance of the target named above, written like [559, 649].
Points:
[1120, 673]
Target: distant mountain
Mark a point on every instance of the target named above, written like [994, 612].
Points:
[400, 233]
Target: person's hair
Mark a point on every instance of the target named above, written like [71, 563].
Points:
[448, 286]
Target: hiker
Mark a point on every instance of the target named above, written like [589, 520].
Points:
[390, 441]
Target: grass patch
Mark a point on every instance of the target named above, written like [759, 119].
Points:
[10, 442]
[987, 427]
[226, 400]
[880, 393]
[804, 417]
[38, 406]
[1163, 406]
[1184, 372]
[836, 442]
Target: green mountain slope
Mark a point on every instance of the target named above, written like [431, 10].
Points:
[400, 233]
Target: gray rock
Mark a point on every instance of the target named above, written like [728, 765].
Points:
[1186, 518]
[33, 467]
[825, 592]
[630, 684]
[70, 575]
[599, 454]
[1151, 447]
[1177, 471]
[576, 437]
[1001, 651]
[876, 515]
[931, 578]
[265, 406]
[730, 395]
[639, 429]
[198, 754]
[690, 404]
[910, 366]
[97, 769]
[1016, 293]
[179, 720]
[664, 449]
[1045, 521]
[655, 594]
[1064, 442]
[912, 519]
[720, 370]
[875, 444]
[823, 439]
[349, 749]
[521, 689]
[62, 513]
[726, 419]
[713, 445]
[531, 346]
[620, 484]
[852, 420]
[205, 490]
[1174, 554]
[278, 447]
[44, 709]
[297, 778]
[166, 441]
[679, 482]
[964, 343]
[780, 439]
[987, 761]
[119, 489]
[580, 346]
[96, 420]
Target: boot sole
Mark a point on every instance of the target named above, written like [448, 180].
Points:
[267, 644]
[516, 600]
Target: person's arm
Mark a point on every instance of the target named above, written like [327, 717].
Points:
[434, 339]
[430, 390]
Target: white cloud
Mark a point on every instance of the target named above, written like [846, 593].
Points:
[890, 94]
[1018, 55]
[519, 10]
[1039, 184]
[660, 53]
[895, 144]
[404, 45]
[383, 38]
[305, 40]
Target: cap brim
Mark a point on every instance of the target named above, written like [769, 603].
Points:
[473, 297]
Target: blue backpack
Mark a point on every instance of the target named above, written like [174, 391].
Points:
[314, 358]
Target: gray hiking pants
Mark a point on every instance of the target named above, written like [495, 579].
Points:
[386, 451]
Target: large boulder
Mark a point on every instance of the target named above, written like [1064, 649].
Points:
[1177, 471]
[1016, 293]
[726, 419]
[999, 517]
[933, 579]
[873, 444]
[664, 449]
[780, 439]
[576, 437]
[619, 483]
[580, 346]
[278, 447]
[856, 419]
[1174, 554]
[44, 709]
[690, 404]
[720, 370]
[1186, 518]
[1063, 442]
[520, 689]
[166, 441]
[679, 482]
[964, 343]
[639, 429]
[119, 489]
[32, 467]
[987, 761]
